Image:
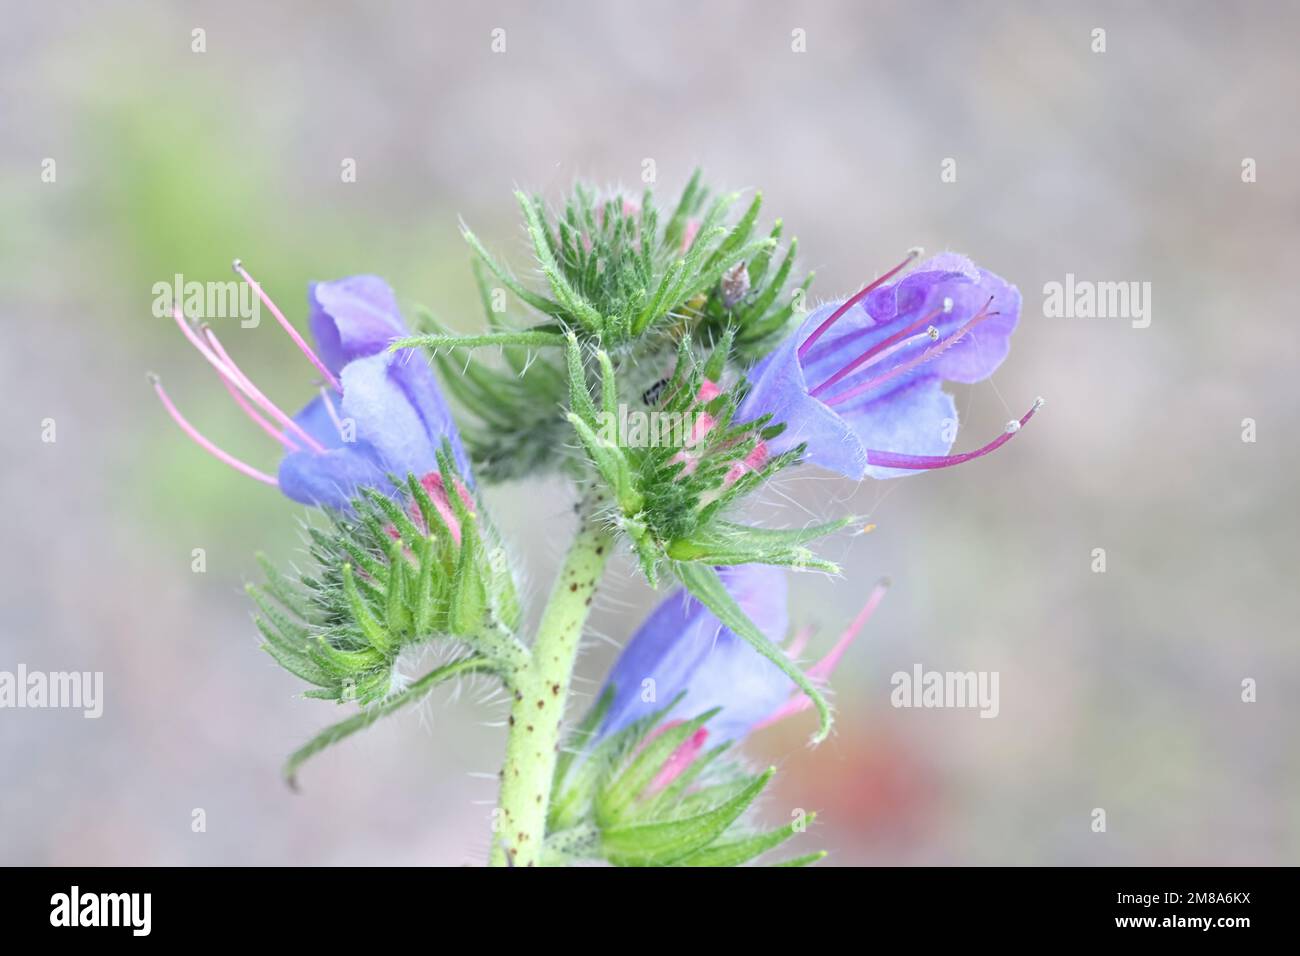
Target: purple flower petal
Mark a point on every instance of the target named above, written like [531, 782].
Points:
[330, 480]
[352, 318]
[917, 418]
[317, 422]
[872, 381]
[778, 388]
[683, 647]
[397, 419]
[412, 374]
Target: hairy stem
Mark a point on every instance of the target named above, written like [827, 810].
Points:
[540, 691]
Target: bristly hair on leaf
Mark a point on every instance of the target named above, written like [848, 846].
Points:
[392, 572]
[644, 797]
[673, 499]
[623, 276]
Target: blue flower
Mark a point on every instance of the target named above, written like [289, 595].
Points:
[378, 413]
[682, 647]
[861, 380]
[391, 400]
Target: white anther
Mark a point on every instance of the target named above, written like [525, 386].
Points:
[1013, 426]
[947, 304]
[933, 333]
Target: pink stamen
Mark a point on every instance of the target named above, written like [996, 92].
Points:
[224, 364]
[333, 412]
[822, 670]
[884, 459]
[854, 300]
[216, 356]
[202, 442]
[261, 422]
[203, 348]
[285, 324]
[920, 359]
[799, 641]
[881, 350]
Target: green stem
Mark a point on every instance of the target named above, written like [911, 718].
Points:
[540, 691]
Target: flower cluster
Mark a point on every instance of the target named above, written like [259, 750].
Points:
[689, 316]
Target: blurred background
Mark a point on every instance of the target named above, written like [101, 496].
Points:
[1119, 690]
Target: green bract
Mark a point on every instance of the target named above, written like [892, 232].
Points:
[622, 277]
[390, 575]
[622, 801]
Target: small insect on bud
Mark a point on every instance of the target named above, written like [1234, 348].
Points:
[735, 285]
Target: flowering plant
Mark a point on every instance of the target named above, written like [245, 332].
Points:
[688, 324]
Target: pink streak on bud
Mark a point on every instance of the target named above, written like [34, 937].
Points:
[689, 233]
[437, 490]
[702, 424]
[755, 460]
[681, 758]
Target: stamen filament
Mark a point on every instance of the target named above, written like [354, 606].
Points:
[853, 300]
[202, 442]
[333, 412]
[261, 422]
[226, 368]
[885, 459]
[881, 350]
[920, 359]
[799, 641]
[298, 340]
[823, 668]
[226, 365]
